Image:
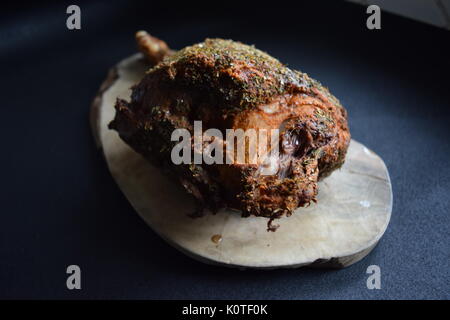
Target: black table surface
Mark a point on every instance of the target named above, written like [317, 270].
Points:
[60, 206]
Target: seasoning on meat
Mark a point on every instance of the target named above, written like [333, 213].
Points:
[230, 85]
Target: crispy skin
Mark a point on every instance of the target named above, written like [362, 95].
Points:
[227, 84]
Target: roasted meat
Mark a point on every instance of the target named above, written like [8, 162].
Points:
[230, 85]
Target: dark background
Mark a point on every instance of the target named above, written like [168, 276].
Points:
[60, 206]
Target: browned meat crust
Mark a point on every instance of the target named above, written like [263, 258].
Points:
[229, 85]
